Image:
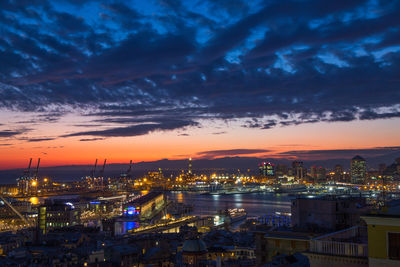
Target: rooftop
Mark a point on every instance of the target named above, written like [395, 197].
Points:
[146, 198]
[194, 245]
[289, 235]
[357, 157]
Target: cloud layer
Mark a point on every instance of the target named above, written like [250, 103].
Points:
[142, 67]
[230, 152]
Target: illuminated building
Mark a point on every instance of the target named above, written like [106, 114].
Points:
[154, 176]
[358, 170]
[321, 173]
[267, 169]
[100, 206]
[144, 206]
[298, 169]
[53, 215]
[390, 172]
[313, 172]
[317, 173]
[281, 170]
[8, 189]
[338, 172]
[190, 166]
[130, 211]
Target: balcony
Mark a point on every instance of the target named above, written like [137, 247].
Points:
[348, 242]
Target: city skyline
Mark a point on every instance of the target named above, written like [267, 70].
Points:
[81, 80]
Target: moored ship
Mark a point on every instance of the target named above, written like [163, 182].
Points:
[230, 216]
[290, 188]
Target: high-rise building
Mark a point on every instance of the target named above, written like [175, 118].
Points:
[397, 161]
[317, 173]
[313, 172]
[281, 170]
[321, 173]
[338, 172]
[298, 169]
[267, 169]
[190, 166]
[358, 170]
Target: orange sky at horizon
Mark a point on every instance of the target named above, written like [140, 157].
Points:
[174, 145]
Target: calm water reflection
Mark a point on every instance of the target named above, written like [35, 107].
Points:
[255, 204]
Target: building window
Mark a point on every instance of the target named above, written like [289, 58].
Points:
[394, 246]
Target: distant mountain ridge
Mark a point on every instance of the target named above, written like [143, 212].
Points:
[75, 172]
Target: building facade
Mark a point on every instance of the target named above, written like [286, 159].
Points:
[53, 215]
[327, 213]
[383, 239]
[358, 170]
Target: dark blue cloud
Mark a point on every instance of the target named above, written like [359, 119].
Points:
[40, 139]
[135, 130]
[230, 152]
[339, 153]
[138, 67]
[10, 133]
[90, 139]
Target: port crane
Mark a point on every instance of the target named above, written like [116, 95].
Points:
[102, 174]
[92, 173]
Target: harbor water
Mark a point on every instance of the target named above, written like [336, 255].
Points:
[256, 204]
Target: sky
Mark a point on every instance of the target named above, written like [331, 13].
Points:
[155, 79]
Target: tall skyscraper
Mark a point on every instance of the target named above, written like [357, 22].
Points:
[358, 170]
[190, 166]
[281, 170]
[313, 172]
[321, 174]
[317, 173]
[338, 172]
[267, 169]
[298, 169]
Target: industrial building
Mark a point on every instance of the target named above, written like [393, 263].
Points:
[144, 206]
[55, 214]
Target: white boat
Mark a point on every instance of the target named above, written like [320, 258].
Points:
[290, 188]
